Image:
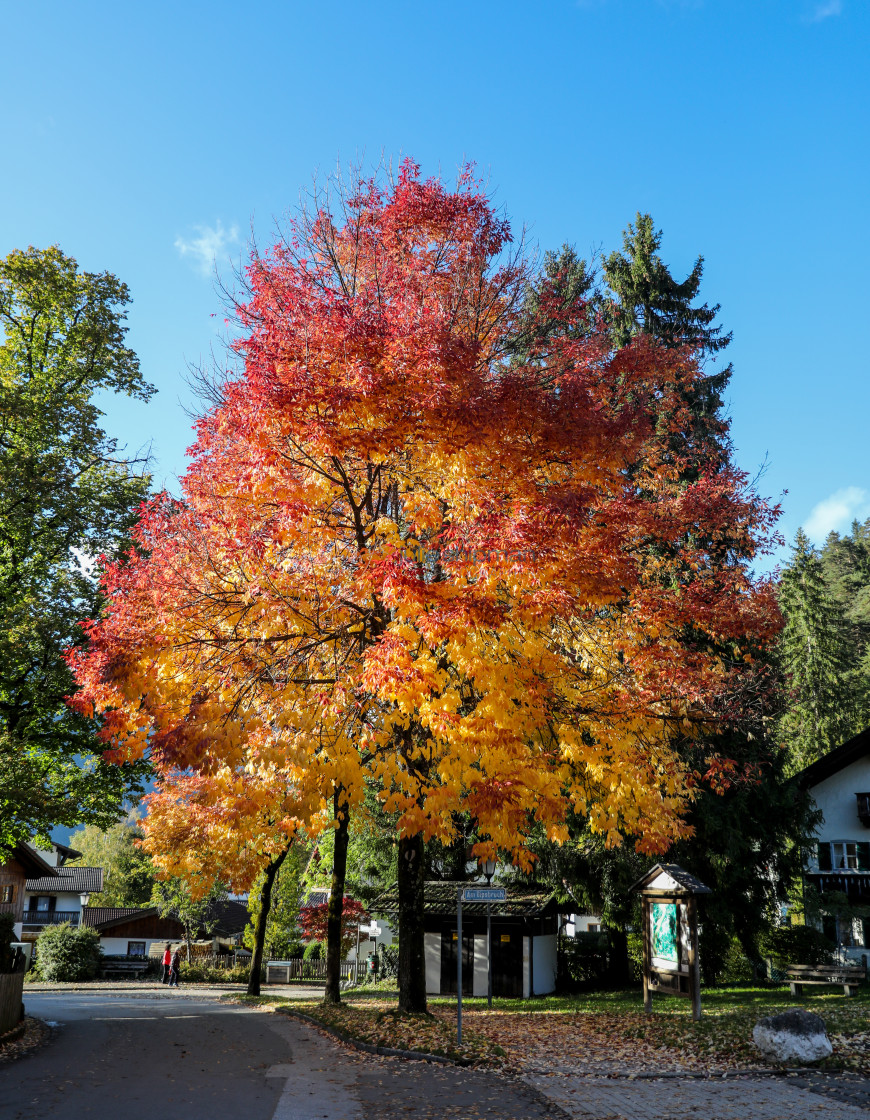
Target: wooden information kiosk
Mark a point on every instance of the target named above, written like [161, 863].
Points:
[670, 934]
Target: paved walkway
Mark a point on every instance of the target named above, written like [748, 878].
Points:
[740, 1098]
[135, 1056]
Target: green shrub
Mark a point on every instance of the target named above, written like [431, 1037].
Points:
[67, 952]
[208, 974]
[797, 945]
[737, 968]
[313, 951]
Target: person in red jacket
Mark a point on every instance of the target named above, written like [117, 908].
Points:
[167, 962]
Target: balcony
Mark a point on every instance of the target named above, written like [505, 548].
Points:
[51, 917]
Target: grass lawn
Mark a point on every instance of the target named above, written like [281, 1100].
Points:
[600, 1032]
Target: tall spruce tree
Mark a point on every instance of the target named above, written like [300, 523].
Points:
[846, 565]
[758, 824]
[646, 299]
[817, 659]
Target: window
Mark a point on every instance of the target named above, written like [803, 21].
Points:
[7, 892]
[843, 855]
[593, 927]
[135, 948]
[863, 807]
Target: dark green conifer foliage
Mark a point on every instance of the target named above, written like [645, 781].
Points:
[817, 660]
[648, 300]
[846, 564]
[651, 301]
[548, 310]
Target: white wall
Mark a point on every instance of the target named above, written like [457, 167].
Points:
[481, 970]
[580, 923]
[66, 901]
[432, 951]
[835, 796]
[117, 946]
[545, 964]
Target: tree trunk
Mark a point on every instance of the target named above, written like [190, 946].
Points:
[262, 919]
[412, 959]
[341, 810]
[619, 970]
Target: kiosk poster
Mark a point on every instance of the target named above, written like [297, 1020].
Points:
[663, 919]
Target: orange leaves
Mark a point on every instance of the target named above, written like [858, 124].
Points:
[399, 560]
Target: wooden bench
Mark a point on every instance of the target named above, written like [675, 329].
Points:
[847, 976]
[125, 969]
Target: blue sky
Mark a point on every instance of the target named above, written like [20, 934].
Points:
[151, 140]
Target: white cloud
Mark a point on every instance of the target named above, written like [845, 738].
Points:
[837, 512]
[825, 10]
[204, 248]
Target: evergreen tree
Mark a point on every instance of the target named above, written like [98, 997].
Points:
[646, 299]
[817, 660]
[548, 308]
[651, 301]
[846, 566]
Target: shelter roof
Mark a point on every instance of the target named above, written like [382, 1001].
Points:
[672, 878]
[439, 897]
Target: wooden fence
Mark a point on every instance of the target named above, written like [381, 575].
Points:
[296, 968]
[11, 988]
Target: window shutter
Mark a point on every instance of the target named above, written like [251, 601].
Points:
[863, 855]
[824, 856]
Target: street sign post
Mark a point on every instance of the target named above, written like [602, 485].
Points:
[474, 894]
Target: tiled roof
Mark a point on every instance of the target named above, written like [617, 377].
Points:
[230, 917]
[97, 916]
[69, 880]
[439, 897]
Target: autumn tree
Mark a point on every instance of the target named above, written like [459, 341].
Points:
[67, 494]
[314, 922]
[211, 830]
[401, 558]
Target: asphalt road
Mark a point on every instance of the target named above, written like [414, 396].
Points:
[188, 1056]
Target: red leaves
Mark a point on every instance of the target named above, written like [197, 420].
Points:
[484, 587]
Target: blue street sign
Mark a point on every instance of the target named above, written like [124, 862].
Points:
[483, 894]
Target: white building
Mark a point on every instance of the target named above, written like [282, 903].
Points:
[60, 896]
[840, 786]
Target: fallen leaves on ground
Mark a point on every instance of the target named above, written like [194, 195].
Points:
[378, 1023]
[550, 1042]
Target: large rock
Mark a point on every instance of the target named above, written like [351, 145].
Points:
[794, 1037]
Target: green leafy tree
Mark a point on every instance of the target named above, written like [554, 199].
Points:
[66, 494]
[68, 952]
[818, 661]
[173, 898]
[128, 873]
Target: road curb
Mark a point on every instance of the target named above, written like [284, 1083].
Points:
[368, 1048]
